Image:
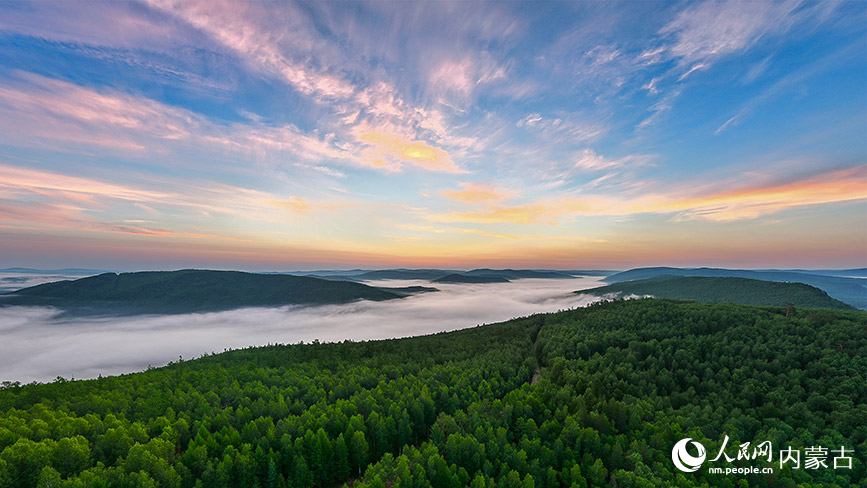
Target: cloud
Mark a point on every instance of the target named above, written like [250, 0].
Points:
[651, 86]
[464, 75]
[544, 212]
[35, 111]
[14, 178]
[747, 203]
[715, 28]
[529, 121]
[283, 42]
[703, 33]
[659, 108]
[38, 345]
[451, 230]
[572, 128]
[693, 69]
[386, 148]
[713, 204]
[54, 200]
[787, 82]
[590, 159]
[37, 108]
[241, 28]
[295, 204]
[116, 25]
[473, 193]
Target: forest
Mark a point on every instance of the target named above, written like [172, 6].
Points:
[191, 290]
[847, 285]
[744, 291]
[595, 396]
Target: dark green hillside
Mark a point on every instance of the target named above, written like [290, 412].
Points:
[384, 274]
[404, 274]
[852, 291]
[619, 384]
[723, 290]
[190, 291]
[409, 290]
[462, 278]
[517, 274]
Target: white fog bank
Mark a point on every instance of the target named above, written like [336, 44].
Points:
[37, 345]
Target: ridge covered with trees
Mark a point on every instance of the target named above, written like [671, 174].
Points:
[190, 290]
[588, 397]
[743, 291]
[848, 286]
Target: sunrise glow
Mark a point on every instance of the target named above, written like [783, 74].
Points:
[281, 136]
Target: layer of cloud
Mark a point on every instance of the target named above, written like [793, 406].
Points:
[39, 346]
[389, 149]
[717, 203]
[474, 193]
[713, 28]
[54, 200]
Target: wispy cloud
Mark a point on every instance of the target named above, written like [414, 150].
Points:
[575, 128]
[707, 31]
[474, 193]
[162, 118]
[787, 82]
[386, 148]
[38, 109]
[61, 201]
[232, 25]
[720, 204]
[464, 75]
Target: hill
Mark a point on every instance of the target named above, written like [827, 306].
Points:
[463, 278]
[435, 274]
[588, 397]
[852, 291]
[404, 274]
[381, 274]
[743, 291]
[589, 272]
[408, 290]
[517, 274]
[189, 290]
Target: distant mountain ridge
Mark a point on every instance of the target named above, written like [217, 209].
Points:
[518, 274]
[190, 290]
[742, 291]
[852, 291]
[434, 275]
[465, 278]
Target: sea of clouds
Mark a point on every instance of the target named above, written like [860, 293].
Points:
[37, 344]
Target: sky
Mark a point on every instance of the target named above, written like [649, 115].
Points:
[165, 134]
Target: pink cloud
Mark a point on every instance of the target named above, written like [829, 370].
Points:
[242, 29]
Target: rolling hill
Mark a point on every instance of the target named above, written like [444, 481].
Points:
[518, 274]
[742, 291]
[161, 292]
[464, 278]
[435, 274]
[852, 291]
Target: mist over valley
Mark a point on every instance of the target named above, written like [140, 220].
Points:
[41, 343]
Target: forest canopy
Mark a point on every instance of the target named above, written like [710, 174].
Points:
[743, 291]
[588, 397]
[190, 290]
